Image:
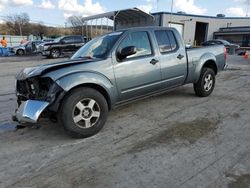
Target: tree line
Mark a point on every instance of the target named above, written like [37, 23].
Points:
[20, 24]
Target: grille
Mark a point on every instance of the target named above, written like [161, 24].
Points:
[33, 88]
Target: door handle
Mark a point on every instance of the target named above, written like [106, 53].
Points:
[180, 56]
[154, 61]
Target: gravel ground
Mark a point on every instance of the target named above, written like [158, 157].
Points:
[171, 140]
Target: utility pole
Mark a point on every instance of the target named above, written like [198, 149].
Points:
[65, 27]
[172, 6]
[248, 3]
[20, 29]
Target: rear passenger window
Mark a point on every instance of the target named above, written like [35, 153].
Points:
[78, 39]
[166, 41]
[172, 40]
[68, 40]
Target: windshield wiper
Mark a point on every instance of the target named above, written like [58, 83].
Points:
[85, 57]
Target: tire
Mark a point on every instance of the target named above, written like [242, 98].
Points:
[55, 53]
[20, 52]
[83, 112]
[205, 85]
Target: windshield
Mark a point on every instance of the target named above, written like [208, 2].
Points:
[225, 42]
[98, 47]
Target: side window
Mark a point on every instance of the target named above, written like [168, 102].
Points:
[68, 40]
[78, 39]
[166, 41]
[163, 41]
[140, 40]
[172, 40]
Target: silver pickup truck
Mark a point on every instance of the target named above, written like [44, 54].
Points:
[111, 70]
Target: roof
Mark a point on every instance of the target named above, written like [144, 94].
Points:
[122, 15]
[244, 30]
[200, 16]
[232, 33]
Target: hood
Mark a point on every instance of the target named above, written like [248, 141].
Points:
[18, 47]
[40, 70]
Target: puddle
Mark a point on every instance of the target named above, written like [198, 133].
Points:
[189, 132]
[10, 127]
[242, 181]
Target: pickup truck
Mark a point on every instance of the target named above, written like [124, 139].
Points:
[111, 70]
[62, 45]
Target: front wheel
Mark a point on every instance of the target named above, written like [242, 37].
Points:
[20, 52]
[205, 85]
[55, 53]
[83, 112]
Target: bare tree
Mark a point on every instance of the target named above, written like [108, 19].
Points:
[38, 29]
[18, 23]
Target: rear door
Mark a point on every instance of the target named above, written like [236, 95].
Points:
[79, 42]
[172, 57]
[138, 74]
[68, 44]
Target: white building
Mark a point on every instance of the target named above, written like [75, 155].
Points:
[195, 29]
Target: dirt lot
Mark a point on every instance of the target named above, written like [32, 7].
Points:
[171, 140]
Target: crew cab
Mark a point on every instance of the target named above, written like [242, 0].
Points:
[62, 45]
[111, 70]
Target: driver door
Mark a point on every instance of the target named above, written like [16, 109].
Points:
[138, 74]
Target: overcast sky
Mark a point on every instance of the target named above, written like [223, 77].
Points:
[55, 12]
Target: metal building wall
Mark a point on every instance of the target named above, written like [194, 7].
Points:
[214, 24]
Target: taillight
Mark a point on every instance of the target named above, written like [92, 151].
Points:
[225, 53]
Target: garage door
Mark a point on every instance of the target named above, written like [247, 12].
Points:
[179, 27]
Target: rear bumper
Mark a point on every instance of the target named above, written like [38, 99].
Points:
[30, 111]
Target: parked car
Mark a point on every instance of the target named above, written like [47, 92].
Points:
[111, 70]
[219, 41]
[62, 45]
[27, 48]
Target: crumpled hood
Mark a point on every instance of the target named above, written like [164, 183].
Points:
[40, 70]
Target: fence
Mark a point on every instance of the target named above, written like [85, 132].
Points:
[13, 40]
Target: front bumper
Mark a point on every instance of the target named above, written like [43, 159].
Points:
[30, 110]
[45, 53]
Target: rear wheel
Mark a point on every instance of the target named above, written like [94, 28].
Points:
[83, 112]
[205, 85]
[20, 52]
[55, 53]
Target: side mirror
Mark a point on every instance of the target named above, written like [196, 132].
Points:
[62, 42]
[188, 46]
[125, 52]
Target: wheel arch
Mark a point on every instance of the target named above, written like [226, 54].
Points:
[212, 65]
[208, 60]
[93, 86]
[93, 80]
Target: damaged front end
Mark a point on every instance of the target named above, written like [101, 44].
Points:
[36, 95]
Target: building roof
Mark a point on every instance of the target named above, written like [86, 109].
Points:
[200, 16]
[122, 15]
